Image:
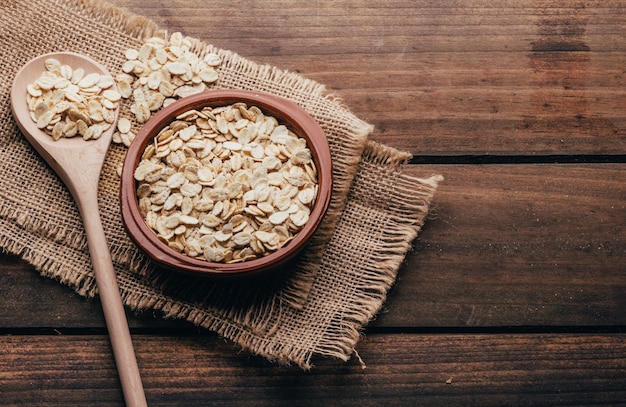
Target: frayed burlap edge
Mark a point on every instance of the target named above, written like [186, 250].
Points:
[298, 88]
[382, 275]
[407, 214]
[408, 210]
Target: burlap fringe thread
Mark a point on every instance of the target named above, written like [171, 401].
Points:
[301, 90]
[351, 154]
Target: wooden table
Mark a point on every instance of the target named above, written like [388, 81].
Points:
[514, 292]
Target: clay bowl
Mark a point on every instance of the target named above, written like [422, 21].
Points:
[287, 113]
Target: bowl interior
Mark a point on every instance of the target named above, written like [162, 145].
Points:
[287, 113]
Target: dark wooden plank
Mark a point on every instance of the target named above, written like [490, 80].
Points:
[442, 78]
[32, 302]
[504, 246]
[509, 245]
[434, 370]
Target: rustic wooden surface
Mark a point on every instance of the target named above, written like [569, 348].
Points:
[514, 292]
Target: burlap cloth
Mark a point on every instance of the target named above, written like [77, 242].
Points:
[330, 293]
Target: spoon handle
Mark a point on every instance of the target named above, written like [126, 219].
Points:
[112, 306]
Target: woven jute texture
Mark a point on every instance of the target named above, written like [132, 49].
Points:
[321, 302]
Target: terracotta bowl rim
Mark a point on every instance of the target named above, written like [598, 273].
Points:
[287, 113]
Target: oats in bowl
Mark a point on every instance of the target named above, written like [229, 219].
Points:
[226, 181]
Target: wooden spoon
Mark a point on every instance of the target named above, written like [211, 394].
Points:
[79, 163]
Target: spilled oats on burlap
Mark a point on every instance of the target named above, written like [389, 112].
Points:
[331, 291]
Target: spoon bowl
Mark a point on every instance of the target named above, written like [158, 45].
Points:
[78, 163]
[64, 154]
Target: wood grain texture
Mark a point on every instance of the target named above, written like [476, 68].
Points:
[515, 290]
[434, 370]
[518, 245]
[442, 78]
[504, 246]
